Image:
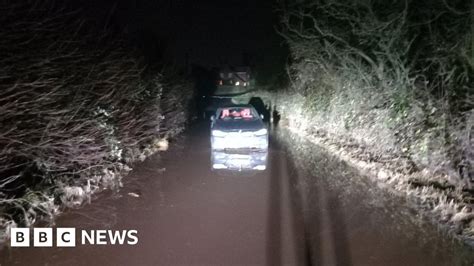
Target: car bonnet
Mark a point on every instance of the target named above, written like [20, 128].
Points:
[236, 125]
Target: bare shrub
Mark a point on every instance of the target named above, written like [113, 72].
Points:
[77, 107]
[393, 77]
[391, 85]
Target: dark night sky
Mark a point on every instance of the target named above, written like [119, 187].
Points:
[211, 31]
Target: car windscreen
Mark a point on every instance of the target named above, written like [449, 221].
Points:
[238, 113]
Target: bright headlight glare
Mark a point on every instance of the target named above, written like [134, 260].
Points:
[262, 131]
[219, 166]
[218, 133]
[260, 167]
[237, 83]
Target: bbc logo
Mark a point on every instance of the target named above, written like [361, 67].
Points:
[43, 237]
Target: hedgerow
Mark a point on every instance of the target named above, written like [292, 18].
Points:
[78, 107]
[391, 79]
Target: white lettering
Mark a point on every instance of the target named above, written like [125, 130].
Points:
[89, 237]
[117, 236]
[101, 237]
[133, 237]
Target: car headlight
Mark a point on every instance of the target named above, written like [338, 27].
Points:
[218, 133]
[219, 166]
[260, 167]
[261, 132]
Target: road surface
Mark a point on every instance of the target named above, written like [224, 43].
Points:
[306, 208]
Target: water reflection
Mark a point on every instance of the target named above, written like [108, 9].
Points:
[234, 161]
[358, 215]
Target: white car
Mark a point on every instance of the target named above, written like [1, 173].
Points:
[238, 127]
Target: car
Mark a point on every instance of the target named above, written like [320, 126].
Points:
[238, 127]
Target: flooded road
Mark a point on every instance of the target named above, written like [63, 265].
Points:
[286, 211]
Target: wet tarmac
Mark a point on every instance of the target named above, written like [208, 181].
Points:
[293, 205]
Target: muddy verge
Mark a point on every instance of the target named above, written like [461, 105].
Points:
[449, 207]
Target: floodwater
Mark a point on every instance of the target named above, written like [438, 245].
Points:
[297, 206]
